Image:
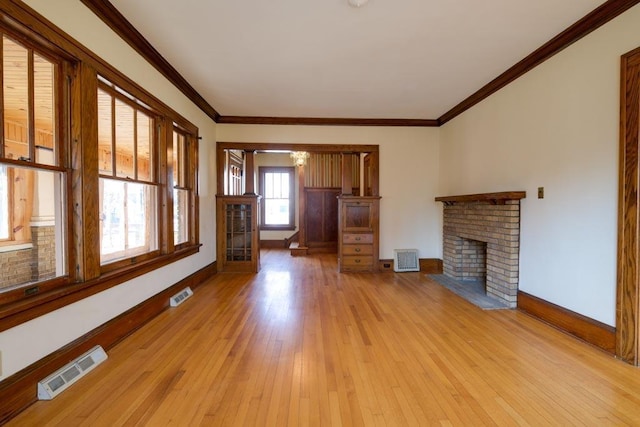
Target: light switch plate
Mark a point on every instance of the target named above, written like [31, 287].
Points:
[540, 192]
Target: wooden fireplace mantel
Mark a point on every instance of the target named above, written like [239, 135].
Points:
[494, 198]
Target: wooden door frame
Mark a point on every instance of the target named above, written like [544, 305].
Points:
[221, 146]
[628, 281]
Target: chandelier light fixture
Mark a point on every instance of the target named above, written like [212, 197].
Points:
[299, 158]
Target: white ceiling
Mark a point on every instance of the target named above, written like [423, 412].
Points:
[395, 59]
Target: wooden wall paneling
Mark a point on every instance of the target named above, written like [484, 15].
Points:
[628, 292]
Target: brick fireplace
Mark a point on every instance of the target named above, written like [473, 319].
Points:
[481, 239]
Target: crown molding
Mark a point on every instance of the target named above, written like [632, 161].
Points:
[104, 10]
[592, 21]
[324, 121]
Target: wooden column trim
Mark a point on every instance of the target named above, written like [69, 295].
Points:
[628, 285]
[221, 161]
[85, 182]
[302, 209]
[249, 173]
[375, 173]
[347, 174]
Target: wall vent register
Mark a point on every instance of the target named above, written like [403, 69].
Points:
[405, 260]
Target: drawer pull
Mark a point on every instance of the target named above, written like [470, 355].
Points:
[358, 238]
[357, 249]
[357, 261]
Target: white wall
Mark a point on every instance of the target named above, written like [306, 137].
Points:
[409, 216]
[29, 342]
[556, 127]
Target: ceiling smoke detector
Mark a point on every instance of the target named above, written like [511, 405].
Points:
[357, 3]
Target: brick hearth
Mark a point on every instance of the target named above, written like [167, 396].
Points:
[469, 226]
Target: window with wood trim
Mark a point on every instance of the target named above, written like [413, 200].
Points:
[182, 186]
[33, 170]
[86, 191]
[129, 202]
[278, 201]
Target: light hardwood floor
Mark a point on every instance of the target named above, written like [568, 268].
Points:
[300, 344]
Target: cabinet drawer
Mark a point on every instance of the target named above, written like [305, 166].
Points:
[357, 238]
[357, 249]
[357, 262]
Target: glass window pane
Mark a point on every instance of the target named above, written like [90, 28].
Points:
[43, 77]
[128, 224]
[4, 204]
[180, 216]
[285, 186]
[144, 135]
[276, 211]
[268, 185]
[37, 216]
[137, 211]
[112, 228]
[16, 99]
[124, 140]
[105, 135]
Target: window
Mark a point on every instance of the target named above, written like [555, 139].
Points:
[86, 191]
[128, 185]
[276, 189]
[181, 187]
[33, 174]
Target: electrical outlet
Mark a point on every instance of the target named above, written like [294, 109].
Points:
[540, 192]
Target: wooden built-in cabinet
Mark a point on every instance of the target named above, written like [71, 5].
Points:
[358, 239]
[238, 233]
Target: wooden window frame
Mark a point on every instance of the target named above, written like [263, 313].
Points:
[77, 107]
[291, 171]
[188, 182]
[130, 256]
[62, 66]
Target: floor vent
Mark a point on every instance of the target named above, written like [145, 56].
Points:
[57, 382]
[405, 260]
[180, 297]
